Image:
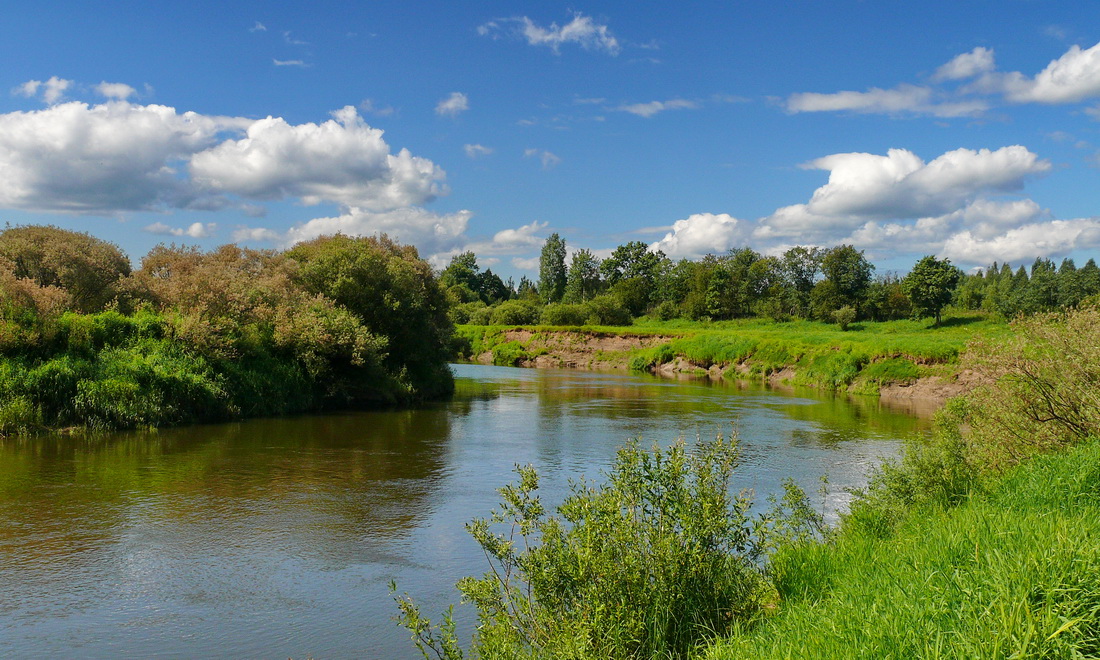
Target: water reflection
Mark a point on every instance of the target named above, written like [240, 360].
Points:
[278, 537]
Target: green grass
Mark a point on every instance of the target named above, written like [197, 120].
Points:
[1013, 572]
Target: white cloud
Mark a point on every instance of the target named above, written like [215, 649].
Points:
[194, 230]
[297, 63]
[119, 156]
[702, 233]
[476, 150]
[429, 232]
[967, 65]
[258, 27]
[904, 98]
[582, 30]
[368, 105]
[120, 91]
[526, 263]
[52, 90]
[1025, 243]
[101, 159]
[654, 107]
[342, 160]
[548, 159]
[262, 234]
[864, 187]
[1075, 76]
[452, 105]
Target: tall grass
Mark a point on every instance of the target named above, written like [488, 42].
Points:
[1011, 573]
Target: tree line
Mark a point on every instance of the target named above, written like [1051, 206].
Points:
[836, 284]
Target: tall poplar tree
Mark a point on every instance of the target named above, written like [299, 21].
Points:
[552, 274]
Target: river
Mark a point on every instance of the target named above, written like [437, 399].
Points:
[278, 538]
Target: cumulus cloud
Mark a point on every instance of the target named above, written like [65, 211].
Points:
[52, 90]
[342, 160]
[194, 230]
[864, 187]
[1024, 243]
[118, 156]
[548, 159]
[101, 159]
[1073, 77]
[430, 232]
[703, 233]
[967, 65]
[454, 104]
[582, 30]
[653, 107]
[262, 234]
[476, 150]
[120, 91]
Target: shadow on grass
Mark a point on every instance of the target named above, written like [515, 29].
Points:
[956, 321]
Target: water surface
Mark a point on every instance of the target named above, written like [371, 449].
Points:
[278, 537]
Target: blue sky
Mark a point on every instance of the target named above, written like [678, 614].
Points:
[962, 129]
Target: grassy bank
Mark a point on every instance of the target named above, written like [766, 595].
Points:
[983, 541]
[1012, 572]
[862, 359]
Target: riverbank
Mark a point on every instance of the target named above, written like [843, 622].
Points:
[899, 361]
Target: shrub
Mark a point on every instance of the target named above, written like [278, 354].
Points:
[86, 268]
[515, 312]
[606, 310]
[844, 317]
[1046, 393]
[651, 563]
[559, 314]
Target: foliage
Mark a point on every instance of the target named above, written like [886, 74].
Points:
[552, 276]
[394, 294]
[86, 268]
[583, 280]
[1046, 389]
[561, 314]
[844, 317]
[606, 310]
[651, 563]
[1012, 571]
[515, 312]
[199, 336]
[850, 273]
[930, 285]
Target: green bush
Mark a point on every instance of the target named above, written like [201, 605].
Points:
[606, 310]
[515, 312]
[562, 314]
[651, 563]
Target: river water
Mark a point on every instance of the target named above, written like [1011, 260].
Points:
[278, 538]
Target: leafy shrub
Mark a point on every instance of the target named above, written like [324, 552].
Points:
[561, 314]
[509, 354]
[86, 268]
[1046, 393]
[651, 563]
[515, 312]
[606, 310]
[844, 317]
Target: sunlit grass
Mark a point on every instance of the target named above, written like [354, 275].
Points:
[1013, 572]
